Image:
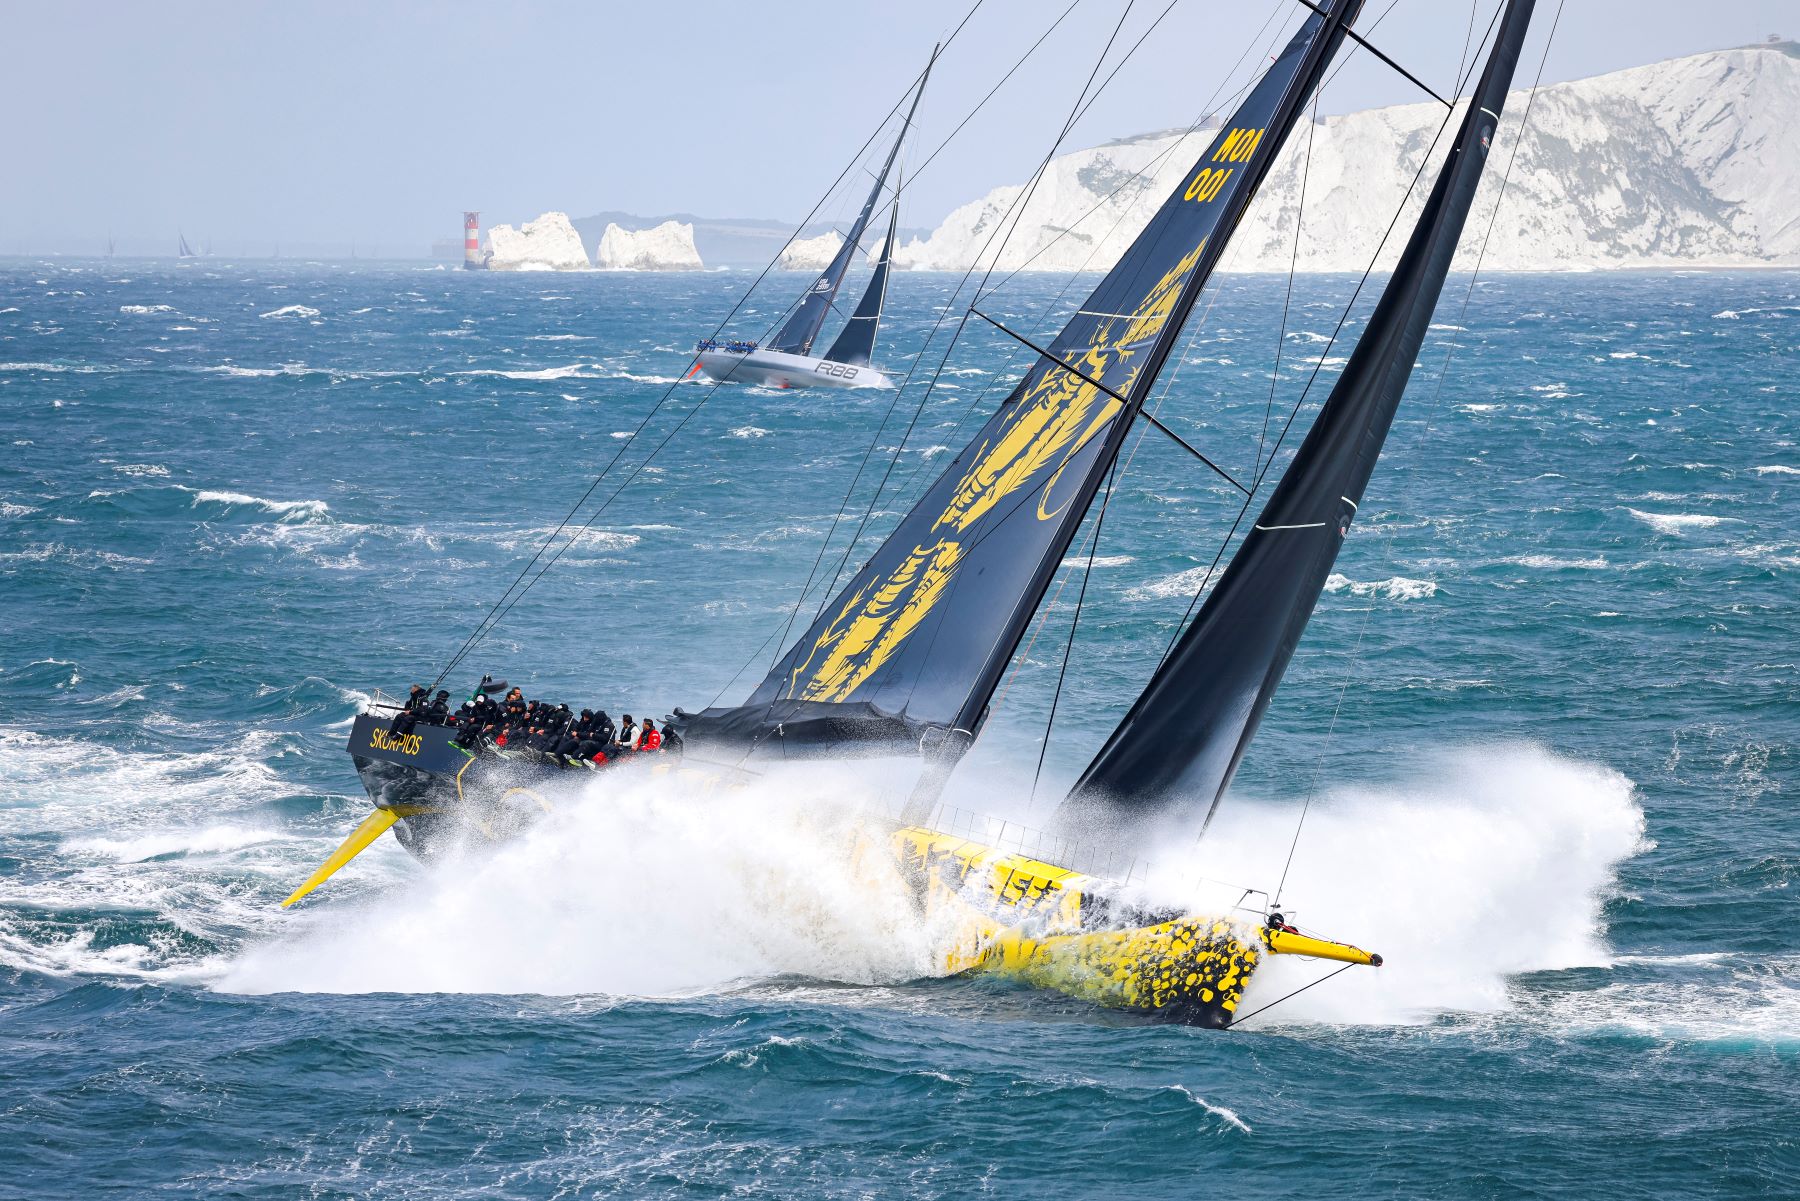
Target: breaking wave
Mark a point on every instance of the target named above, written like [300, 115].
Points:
[1182, 583]
[291, 310]
[282, 510]
[572, 370]
[1552, 563]
[1398, 587]
[1677, 524]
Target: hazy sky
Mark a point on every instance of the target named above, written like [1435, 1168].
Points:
[319, 124]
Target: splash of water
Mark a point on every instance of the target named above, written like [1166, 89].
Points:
[1485, 863]
[644, 886]
[1481, 864]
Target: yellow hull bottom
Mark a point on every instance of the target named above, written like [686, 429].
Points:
[1062, 930]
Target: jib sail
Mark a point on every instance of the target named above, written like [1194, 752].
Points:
[1176, 750]
[909, 653]
[802, 327]
[856, 344]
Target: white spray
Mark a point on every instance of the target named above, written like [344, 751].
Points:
[1489, 862]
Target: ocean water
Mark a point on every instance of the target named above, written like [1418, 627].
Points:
[1543, 729]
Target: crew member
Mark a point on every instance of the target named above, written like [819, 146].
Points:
[604, 731]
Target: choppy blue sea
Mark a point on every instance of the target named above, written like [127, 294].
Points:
[1547, 715]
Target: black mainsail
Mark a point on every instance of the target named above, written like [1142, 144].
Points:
[855, 343]
[908, 654]
[1175, 752]
[802, 327]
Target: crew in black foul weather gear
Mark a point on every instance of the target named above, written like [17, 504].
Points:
[538, 729]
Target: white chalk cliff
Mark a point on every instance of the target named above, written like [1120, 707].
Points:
[811, 254]
[667, 247]
[1686, 162]
[548, 244]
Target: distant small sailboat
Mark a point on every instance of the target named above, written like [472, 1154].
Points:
[184, 251]
[787, 361]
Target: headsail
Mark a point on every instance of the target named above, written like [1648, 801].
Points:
[184, 250]
[796, 336]
[856, 344]
[1177, 749]
[909, 653]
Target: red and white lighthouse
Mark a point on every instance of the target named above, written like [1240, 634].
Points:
[472, 260]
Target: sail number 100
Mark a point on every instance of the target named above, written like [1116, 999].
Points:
[1236, 147]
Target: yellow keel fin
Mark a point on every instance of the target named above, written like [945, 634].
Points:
[373, 827]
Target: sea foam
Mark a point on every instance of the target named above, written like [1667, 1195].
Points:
[1677, 524]
[1398, 587]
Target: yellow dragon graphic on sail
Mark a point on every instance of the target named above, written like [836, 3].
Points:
[1051, 421]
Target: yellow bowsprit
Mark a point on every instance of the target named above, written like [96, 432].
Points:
[373, 827]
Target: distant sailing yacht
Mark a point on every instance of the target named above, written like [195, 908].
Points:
[787, 361]
[184, 251]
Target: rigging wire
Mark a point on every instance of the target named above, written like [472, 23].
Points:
[906, 381]
[1152, 415]
[1239, 1021]
[880, 429]
[1168, 386]
[1147, 169]
[1015, 211]
[1087, 573]
[1151, 412]
[1287, 298]
[1431, 416]
[1317, 368]
[1014, 506]
[1337, 332]
[976, 401]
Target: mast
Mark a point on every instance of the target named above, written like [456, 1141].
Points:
[797, 335]
[905, 658]
[1178, 747]
[856, 344]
